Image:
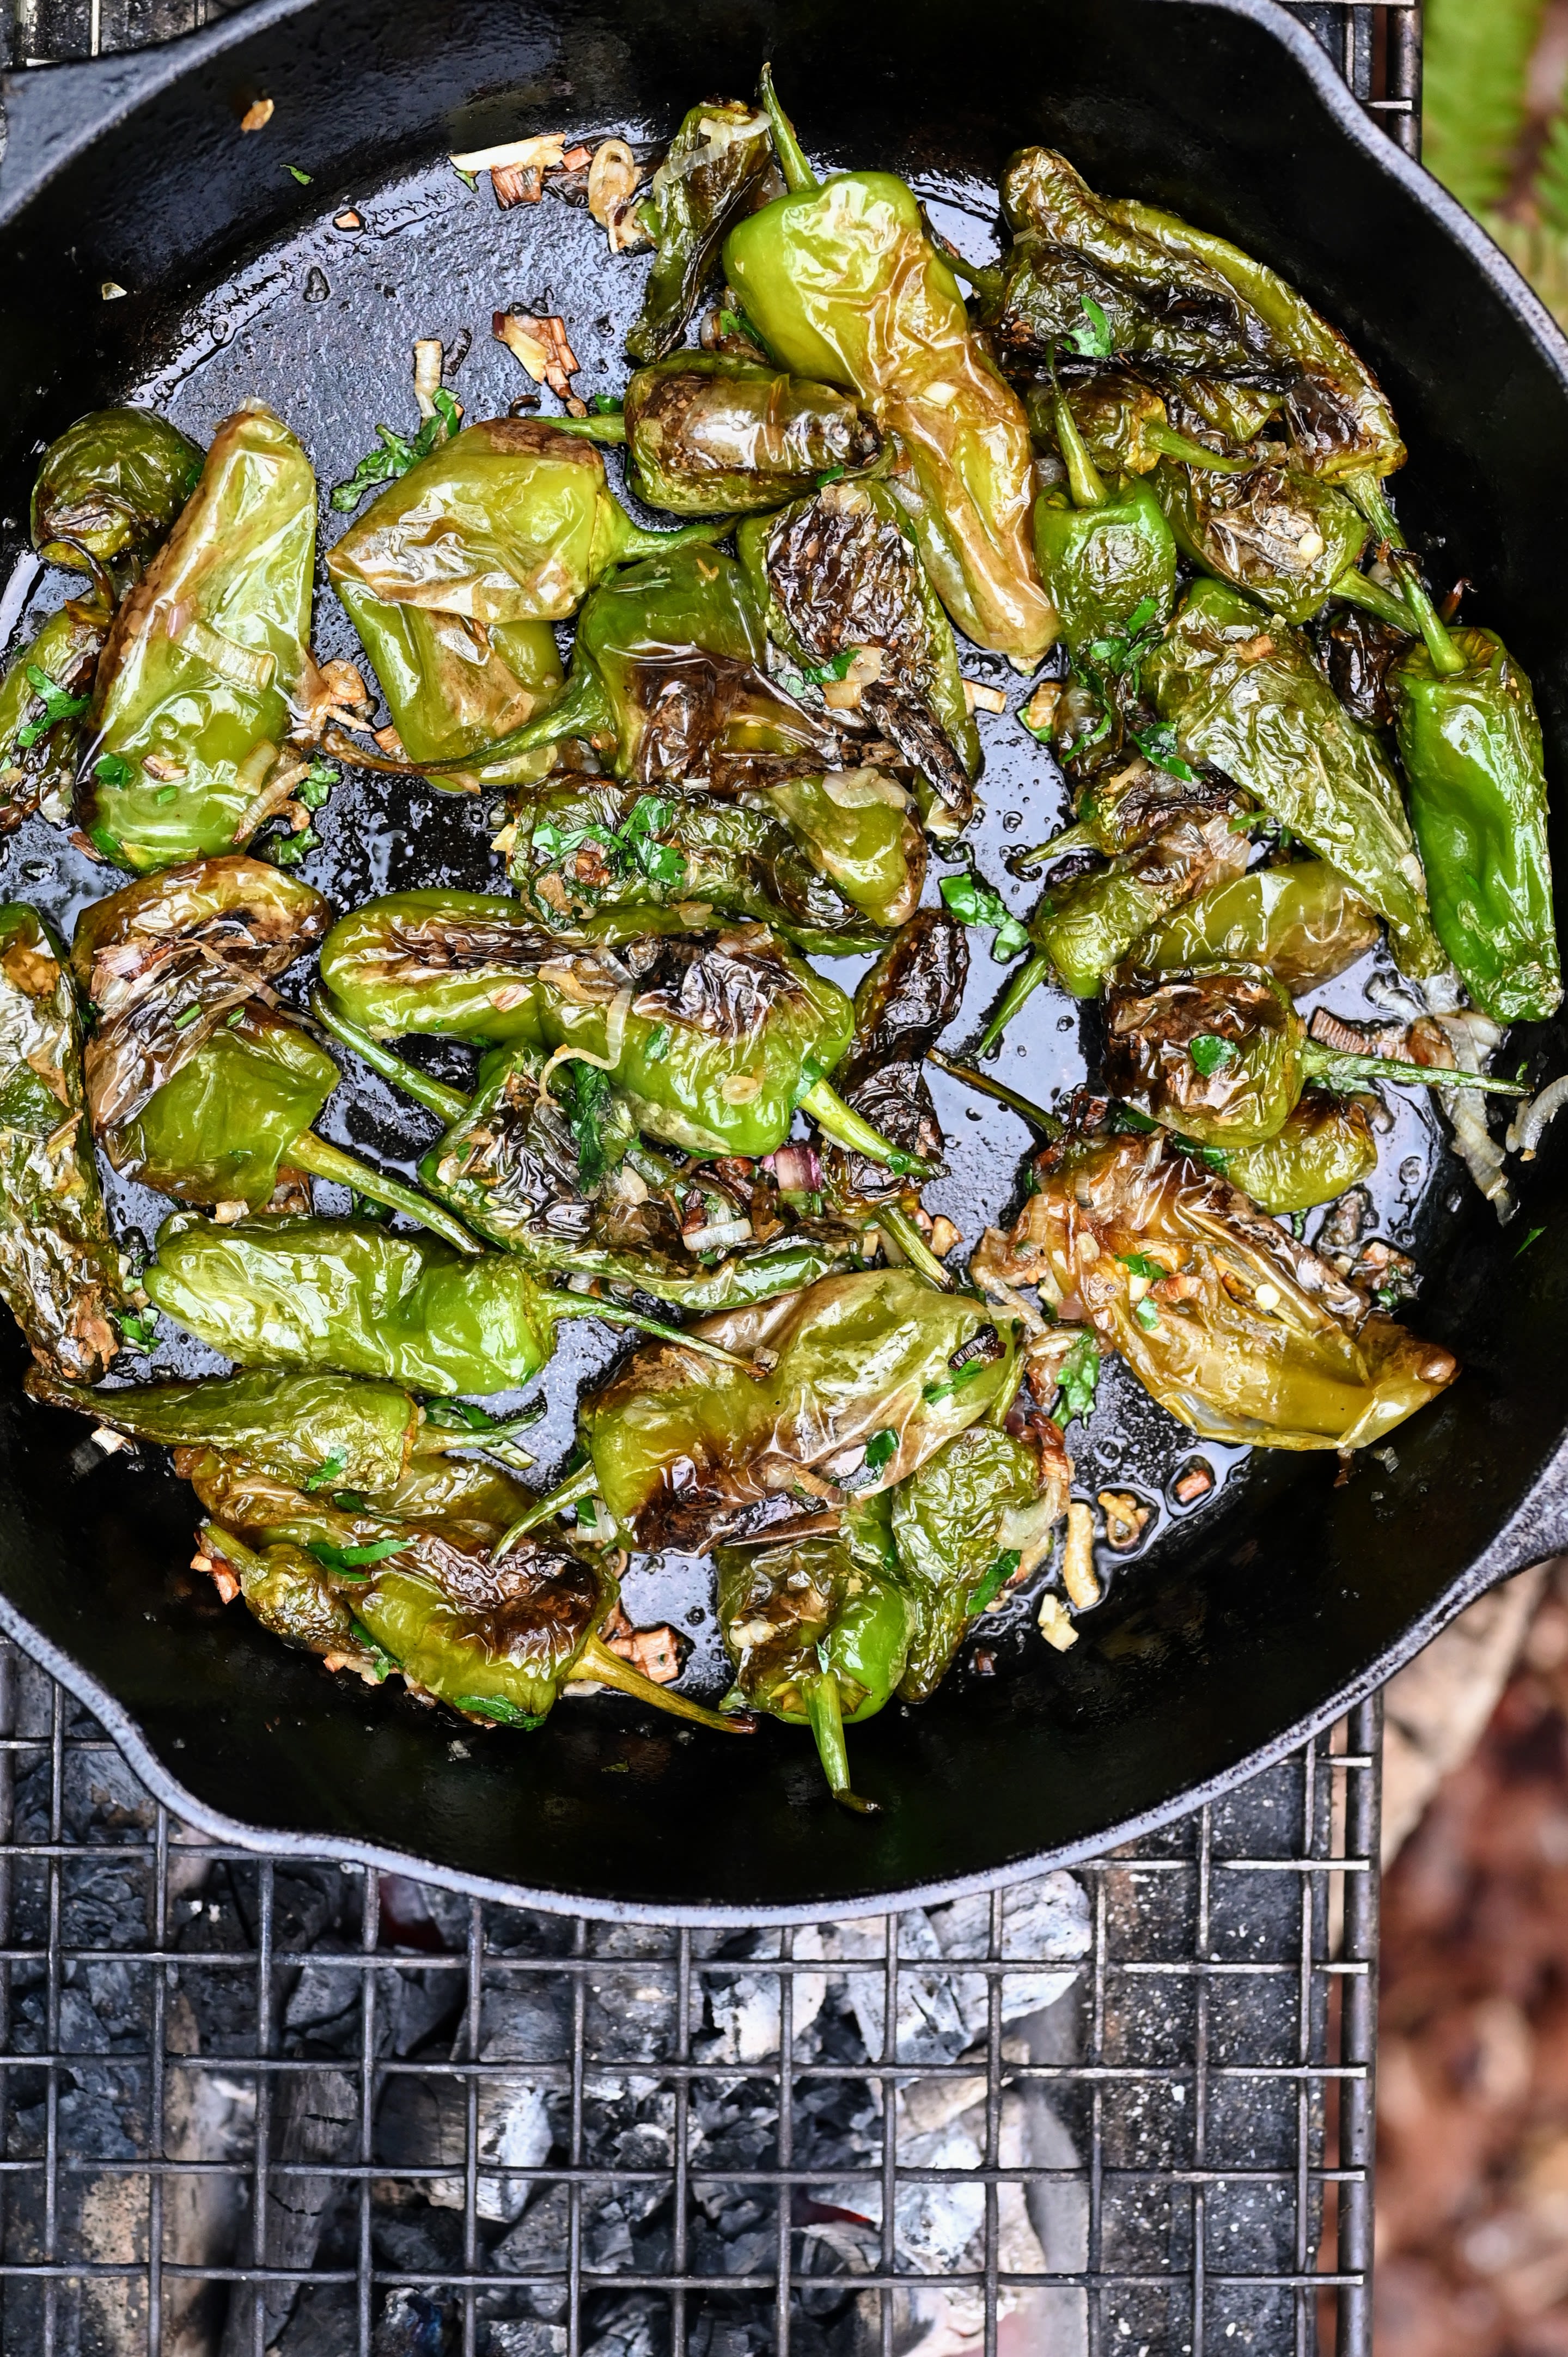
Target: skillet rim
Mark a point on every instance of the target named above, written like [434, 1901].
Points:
[54, 115]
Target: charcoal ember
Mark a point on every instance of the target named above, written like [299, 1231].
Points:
[930, 2025]
[537, 2246]
[411, 2324]
[745, 2010]
[314, 2119]
[740, 2233]
[423, 2120]
[631, 2014]
[323, 2322]
[635, 2325]
[409, 2237]
[525, 2336]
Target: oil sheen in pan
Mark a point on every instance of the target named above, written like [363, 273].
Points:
[322, 326]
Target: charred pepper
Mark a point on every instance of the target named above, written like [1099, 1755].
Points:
[43, 696]
[719, 163]
[109, 486]
[1105, 556]
[710, 434]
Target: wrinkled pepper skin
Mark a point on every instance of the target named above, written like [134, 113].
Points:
[453, 685]
[349, 1297]
[1087, 927]
[718, 164]
[219, 1128]
[1470, 744]
[38, 761]
[1302, 922]
[110, 485]
[1260, 1342]
[844, 286]
[669, 668]
[902, 1006]
[860, 831]
[715, 1042]
[1241, 1024]
[708, 434]
[842, 570]
[1285, 537]
[511, 521]
[360, 1436]
[581, 849]
[59, 1273]
[1101, 564]
[186, 730]
[1325, 1146]
[1241, 691]
[975, 1517]
[683, 1448]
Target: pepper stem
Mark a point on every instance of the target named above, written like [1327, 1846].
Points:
[1172, 444]
[597, 1661]
[608, 425]
[1369, 496]
[895, 1222]
[847, 1128]
[798, 173]
[1071, 838]
[1342, 1072]
[1355, 589]
[580, 1484]
[447, 1105]
[315, 1155]
[1046, 1123]
[1084, 479]
[1023, 987]
[582, 711]
[821, 1695]
[587, 1305]
[633, 540]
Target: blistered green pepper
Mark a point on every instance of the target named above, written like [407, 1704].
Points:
[711, 434]
[60, 1274]
[349, 1296]
[839, 575]
[1220, 1054]
[1105, 556]
[844, 286]
[712, 1043]
[871, 1372]
[1123, 423]
[975, 1518]
[818, 1633]
[1325, 1147]
[111, 487]
[1301, 921]
[43, 696]
[1287, 537]
[191, 707]
[717, 165]
[1242, 1332]
[578, 850]
[1241, 691]
[315, 1431]
[453, 685]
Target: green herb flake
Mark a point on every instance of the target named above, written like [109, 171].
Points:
[973, 902]
[382, 1661]
[496, 1708]
[138, 1327]
[1210, 1053]
[288, 850]
[1140, 1265]
[234, 1018]
[58, 706]
[1093, 338]
[591, 1097]
[1158, 746]
[1534, 1235]
[1148, 1316]
[397, 454]
[959, 1380]
[327, 1471]
[831, 475]
[995, 1579]
[165, 794]
[185, 1017]
[294, 172]
[112, 771]
[1078, 1377]
[349, 1559]
[349, 1502]
[658, 1046]
[316, 785]
[881, 1449]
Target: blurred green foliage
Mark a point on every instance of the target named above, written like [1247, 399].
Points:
[1494, 126]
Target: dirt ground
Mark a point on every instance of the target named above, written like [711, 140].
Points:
[1473, 2078]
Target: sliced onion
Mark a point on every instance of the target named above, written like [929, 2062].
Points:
[1526, 1129]
[248, 667]
[615, 1042]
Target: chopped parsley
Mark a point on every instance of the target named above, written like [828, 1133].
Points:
[382, 1661]
[1158, 746]
[1078, 1377]
[995, 1579]
[633, 848]
[1210, 1053]
[346, 1561]
[288, 850]
[165, 794]
[139, 1328]
[1140, 1265]
[316, 785]
[831, 475]
[1148, 1316]
[397, 454]
[1529, 1240]
[881, 1449]
[658, 1046]
[328, 1471]
[959, 1380]
[973, 902]
[587, 1097]
[58, 706]
[504, 1713]
[294, 172]
[1093, 337]
[606, 405]
[111, 769]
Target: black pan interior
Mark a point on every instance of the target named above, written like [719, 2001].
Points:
[1237, 1624]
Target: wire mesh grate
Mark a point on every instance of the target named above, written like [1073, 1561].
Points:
[255, 2105]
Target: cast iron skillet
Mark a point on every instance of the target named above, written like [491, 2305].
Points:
[1243, 1627]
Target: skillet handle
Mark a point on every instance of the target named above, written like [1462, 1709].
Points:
[1537, 1531]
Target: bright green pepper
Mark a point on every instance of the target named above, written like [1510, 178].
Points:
[818, 1637]
[1325, 1146]
[349, 1296]
[859, 828]
[1302, 922]
[192, 707]
[711, 434]
[452, 685]
[717, 163]
[1285, 537]
[1259, 1342]
[713, 1044]
[45, 692]
[1242, 692]
[316, 1431]
[582, 849]
[60, 1274]
[1220, 1054]
[110, 486]
[841, 572]
[975, 1518]
[512, 520]
[844, 286]
[1104, 556]
[871, 1372]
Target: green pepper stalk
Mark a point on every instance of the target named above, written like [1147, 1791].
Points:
[1124, 427]
[710, 434]
[1220, 1055]
[1239, 688]
[819, 1634]
[1048, 1124]
[713, 170]
[468, 966]
[43, 694]
[1083, 930]
[345, 1295]
[1107, 556]
[845, 288]
[191, 707]
[111, 487]
[59, 1273]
